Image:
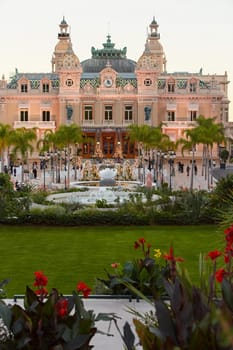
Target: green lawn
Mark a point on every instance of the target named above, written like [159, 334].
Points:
[70, 254]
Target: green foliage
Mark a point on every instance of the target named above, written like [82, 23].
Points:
[12, 203]
[191, 207]
[102, 203]
[221, 201]
[39, 196]
[56, 322]
[3, 293]
[144, 273]
[192, 317]
[224, 155]
[222, 195]
[6, 196]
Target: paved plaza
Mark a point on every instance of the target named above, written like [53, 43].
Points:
[173, 177]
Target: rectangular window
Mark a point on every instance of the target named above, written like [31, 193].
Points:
[193, 87]
[88, 113]
[193, 115]
[24, 116]
[171, 87]
[108, 113]
[46, 116]
[45, 87]
[171, 116]
[128, 113]
[24, 88]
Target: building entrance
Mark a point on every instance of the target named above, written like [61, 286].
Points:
[108, 145]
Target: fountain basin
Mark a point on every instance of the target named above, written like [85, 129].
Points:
[91, 195]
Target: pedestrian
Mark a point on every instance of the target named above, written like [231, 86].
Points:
[195, 169]
[34, 170]
[188, 169]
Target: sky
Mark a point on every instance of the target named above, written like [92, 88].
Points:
[194, 34]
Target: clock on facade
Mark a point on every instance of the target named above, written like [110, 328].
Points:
[108, 82]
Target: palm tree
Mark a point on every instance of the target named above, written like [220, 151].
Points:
[192, 138]
[22, 140]
[5, 141]
[66, 137]
[150, 140]
[210, 133]
[48, 144]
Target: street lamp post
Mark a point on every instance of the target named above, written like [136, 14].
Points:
[171, 158]
[42, 168]
[160, 160]
[66, 165]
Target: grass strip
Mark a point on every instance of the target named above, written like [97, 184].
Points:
[70, 254]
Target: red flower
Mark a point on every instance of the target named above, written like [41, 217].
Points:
[40, 279]
[214, 254]
[115, 265]
[229, 234]
[82, 287]
[42, 292]
[219, 275]
[171, 256]
[62, 307]
[229, 248]
[142, 240]
[136, 245]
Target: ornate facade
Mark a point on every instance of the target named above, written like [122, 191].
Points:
[108, 92]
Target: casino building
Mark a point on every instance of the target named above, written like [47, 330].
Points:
[106, 93]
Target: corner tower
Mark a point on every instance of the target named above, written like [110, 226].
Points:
[150, 66]
[153, 58]
[64, 56]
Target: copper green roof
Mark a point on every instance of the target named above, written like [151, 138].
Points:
[108, 50]
[108, 56]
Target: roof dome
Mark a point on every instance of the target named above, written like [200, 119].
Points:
[94, 65]
[62, 46]
[116, 58]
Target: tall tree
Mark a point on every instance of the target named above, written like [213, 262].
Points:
[22, 143]
[150, 140]
[192, 138]
[5, 141]
[66, 137]
[210, 134]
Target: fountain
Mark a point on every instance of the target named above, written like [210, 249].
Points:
[107, 177]
[106, 188]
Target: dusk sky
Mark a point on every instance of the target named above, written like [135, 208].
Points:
[195, 34]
